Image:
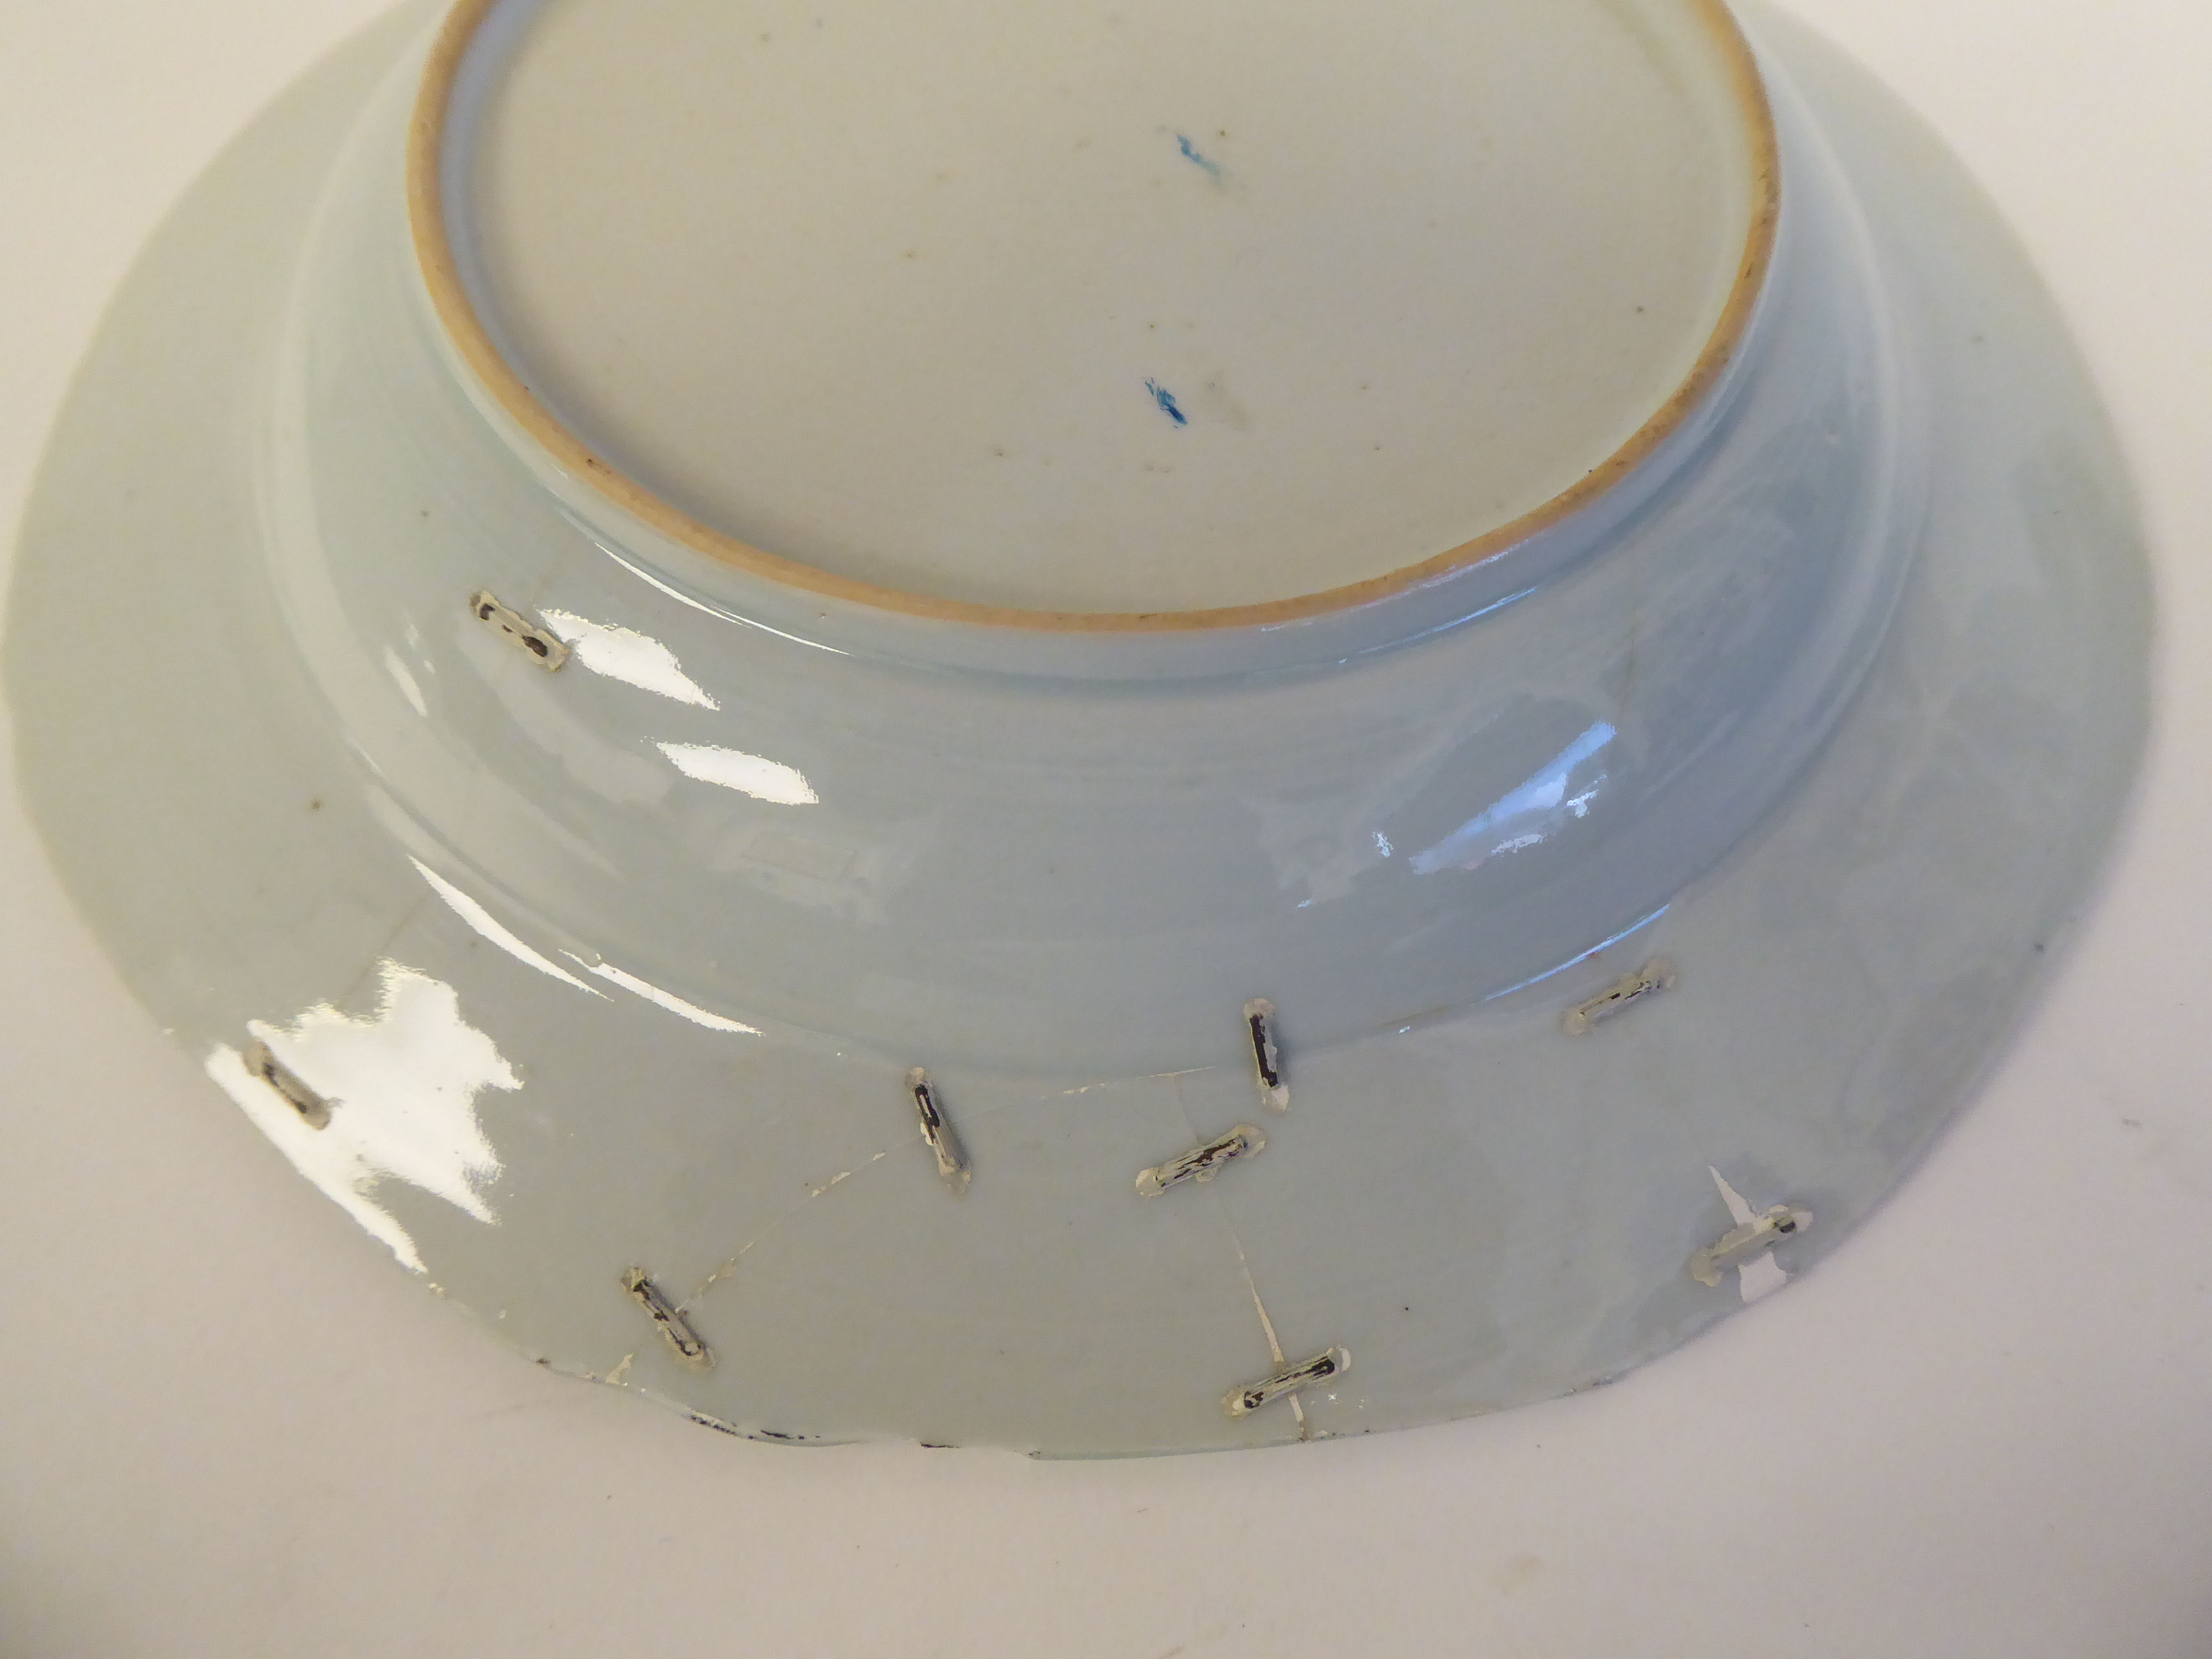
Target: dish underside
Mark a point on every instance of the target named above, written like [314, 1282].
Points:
[1123, 334]
[1478, 1211]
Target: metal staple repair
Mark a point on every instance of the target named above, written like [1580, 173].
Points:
[951, 1156]
[1655, 976]
[1740, 1244]
[1204, 1163]
[1324, 1368]
[545, 648]
[1266, 1059]
[314, 1109]
[690, 1348]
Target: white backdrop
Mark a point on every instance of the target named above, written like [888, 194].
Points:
[229, 1427]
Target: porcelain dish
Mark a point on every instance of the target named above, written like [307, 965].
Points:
[1081, 991]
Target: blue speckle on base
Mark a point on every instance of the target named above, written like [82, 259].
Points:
[1165, 399]
[1192, 155]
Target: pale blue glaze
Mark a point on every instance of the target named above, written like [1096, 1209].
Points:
[627, 965]
[1058, 852]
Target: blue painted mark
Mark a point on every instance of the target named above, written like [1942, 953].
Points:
[1166, 400]
[1191, 153]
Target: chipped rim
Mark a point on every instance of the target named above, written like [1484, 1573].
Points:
[456, 312]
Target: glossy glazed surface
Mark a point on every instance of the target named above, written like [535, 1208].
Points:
[1054, 854]
[1481, 1209]
[1130, 308]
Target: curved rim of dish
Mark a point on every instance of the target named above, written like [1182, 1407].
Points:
[456, 312]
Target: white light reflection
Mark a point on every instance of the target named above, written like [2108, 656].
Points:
[1629, 932]
[682, 598]
[1527, 817]
[481, 921]
[659, 997]
[405, 678]
[402, 1085]
[764, 779]
[625, 654]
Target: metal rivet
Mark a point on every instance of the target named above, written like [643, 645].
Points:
[951, 1156]
[688, 1346]
[541, 646]
[1204, 1163]
[1740, 1244]
[1266, 1059]
[1323, 1367]
[314, 1109]
[1655, 977]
